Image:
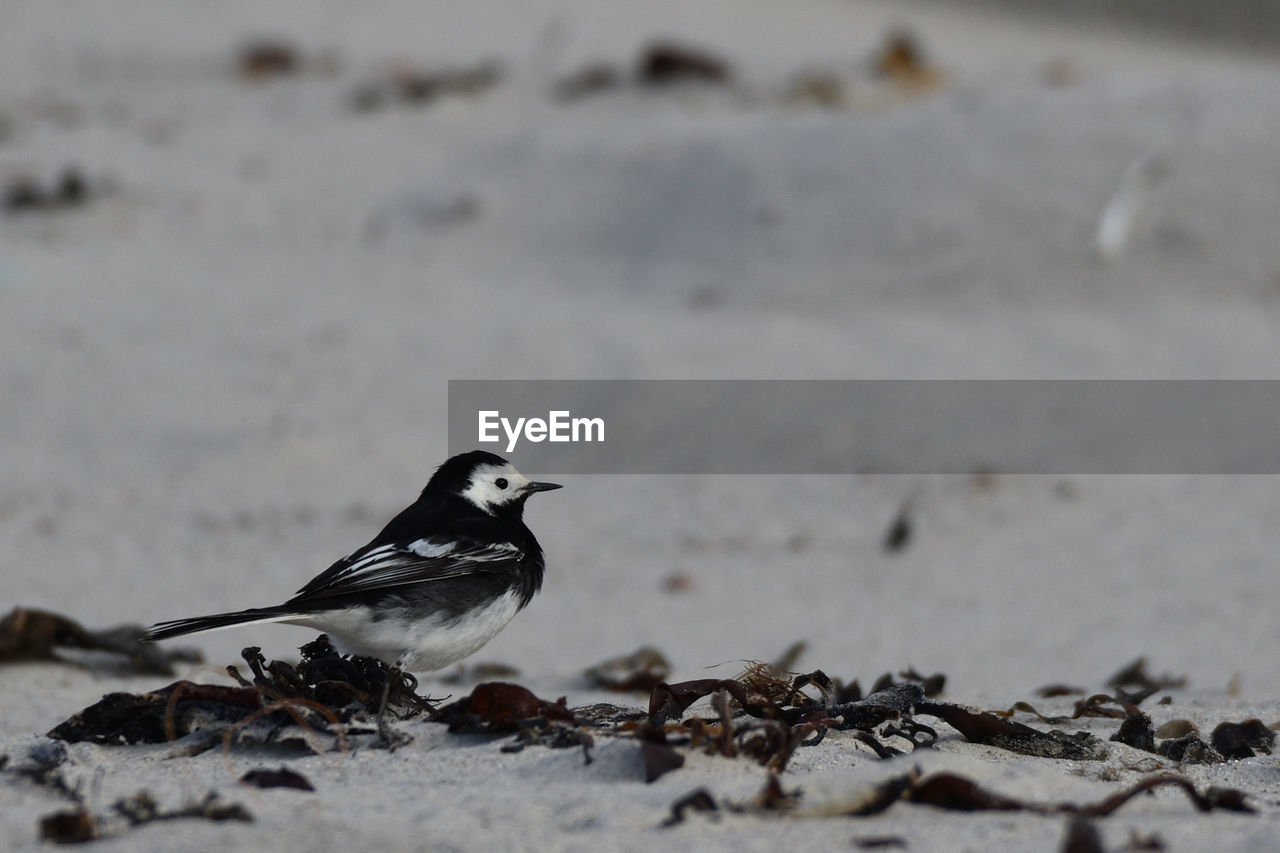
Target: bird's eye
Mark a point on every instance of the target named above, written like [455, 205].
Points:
[501, 482]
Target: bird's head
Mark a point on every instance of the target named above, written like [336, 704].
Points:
[489, 483]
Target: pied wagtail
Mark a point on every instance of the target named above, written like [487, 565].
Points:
[441, 579]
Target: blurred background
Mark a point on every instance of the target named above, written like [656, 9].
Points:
[1251, 24]
[243, 246]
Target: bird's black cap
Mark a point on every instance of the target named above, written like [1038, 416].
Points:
[454, 474]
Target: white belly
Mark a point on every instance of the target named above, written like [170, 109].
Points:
[421, 646]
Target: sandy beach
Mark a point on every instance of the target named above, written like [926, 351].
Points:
[244, 247]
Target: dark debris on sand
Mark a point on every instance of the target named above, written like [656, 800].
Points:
[27, 634]
[324, 693]
[77, 824]
[952, 792]
[764, 715]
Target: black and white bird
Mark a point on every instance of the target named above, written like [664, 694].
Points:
[441, 579]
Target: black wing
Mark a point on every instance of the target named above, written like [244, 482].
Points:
[381, 566]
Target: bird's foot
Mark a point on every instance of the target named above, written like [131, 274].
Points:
[388, 738]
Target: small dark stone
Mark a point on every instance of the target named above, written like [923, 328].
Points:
[1137, 731]
[1243, 740]
[1190, 749]
[663, 63]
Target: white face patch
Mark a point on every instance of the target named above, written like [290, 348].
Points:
[494, 485]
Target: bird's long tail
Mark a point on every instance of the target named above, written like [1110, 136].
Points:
[199, 624]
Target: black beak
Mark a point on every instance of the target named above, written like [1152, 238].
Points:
[541, 487]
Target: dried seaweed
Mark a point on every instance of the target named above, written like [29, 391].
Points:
[774, 728]
[142, 808]
[902, 60]
[958, 793]
[79, 824]
[670, 701]
[336, 681]
[27, 195]
[44, 768]
[994, 730]
[1095, 706]
[1135, 697]
[281, 778]
[1134, 674]
[880, 842]
[1214, 798]
[607, 717]
[773, 683]
[954, 792]
[698, 801]
[641, 670]
[951, 791]
[1144, 841]
[421, 87]
[878, 798]
[553, 736]
[262, 58]
[1028, 708]
[160, 715]
[1050, 691]
[501, 708]
[316, 701]
[323, 693]
[765, 715]
[27, 634]
[497, 707]
[659, 756]
[1082, 836]
[592, 79]
[786, 661]
[773, 797]
[664, 63]
[932, 685]
[898, 536]
[72, 826]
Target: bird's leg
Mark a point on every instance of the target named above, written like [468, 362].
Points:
[388, 736]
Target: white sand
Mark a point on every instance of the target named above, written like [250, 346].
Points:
[231, 368]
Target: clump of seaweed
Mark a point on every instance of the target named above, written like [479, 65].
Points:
[319, 701]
